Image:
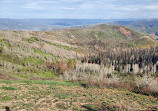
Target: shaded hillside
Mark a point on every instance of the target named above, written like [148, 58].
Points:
[146, 26]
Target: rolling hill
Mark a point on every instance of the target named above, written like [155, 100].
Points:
[147, 25]
[99, 67]
[22, 47]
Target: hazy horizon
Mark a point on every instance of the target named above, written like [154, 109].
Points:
[85, 18]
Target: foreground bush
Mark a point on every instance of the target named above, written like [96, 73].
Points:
[145, 85]
[61, 66]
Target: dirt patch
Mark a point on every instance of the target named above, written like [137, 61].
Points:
[126, 32]
[149, 38]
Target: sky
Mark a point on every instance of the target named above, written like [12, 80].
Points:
[79, 9]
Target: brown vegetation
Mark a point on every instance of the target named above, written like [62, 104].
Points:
[6, 77]
[125, 32]
[62, 66]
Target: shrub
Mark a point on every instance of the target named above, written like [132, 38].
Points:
[62, 66]
[48, 65]
[111, 83]
[147, 85]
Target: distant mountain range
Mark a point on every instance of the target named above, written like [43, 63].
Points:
[51, 24]
[148, 26]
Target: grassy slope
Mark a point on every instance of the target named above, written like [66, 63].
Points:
[22, 64]
[25, 52]
[23, 55]
[52, 95]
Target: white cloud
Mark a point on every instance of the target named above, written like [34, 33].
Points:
[81, 8]
[34, 6]
[151, 7]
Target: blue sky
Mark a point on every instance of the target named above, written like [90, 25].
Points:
[90, 9]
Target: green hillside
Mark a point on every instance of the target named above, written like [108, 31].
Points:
[95, 68]
[24, 53]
